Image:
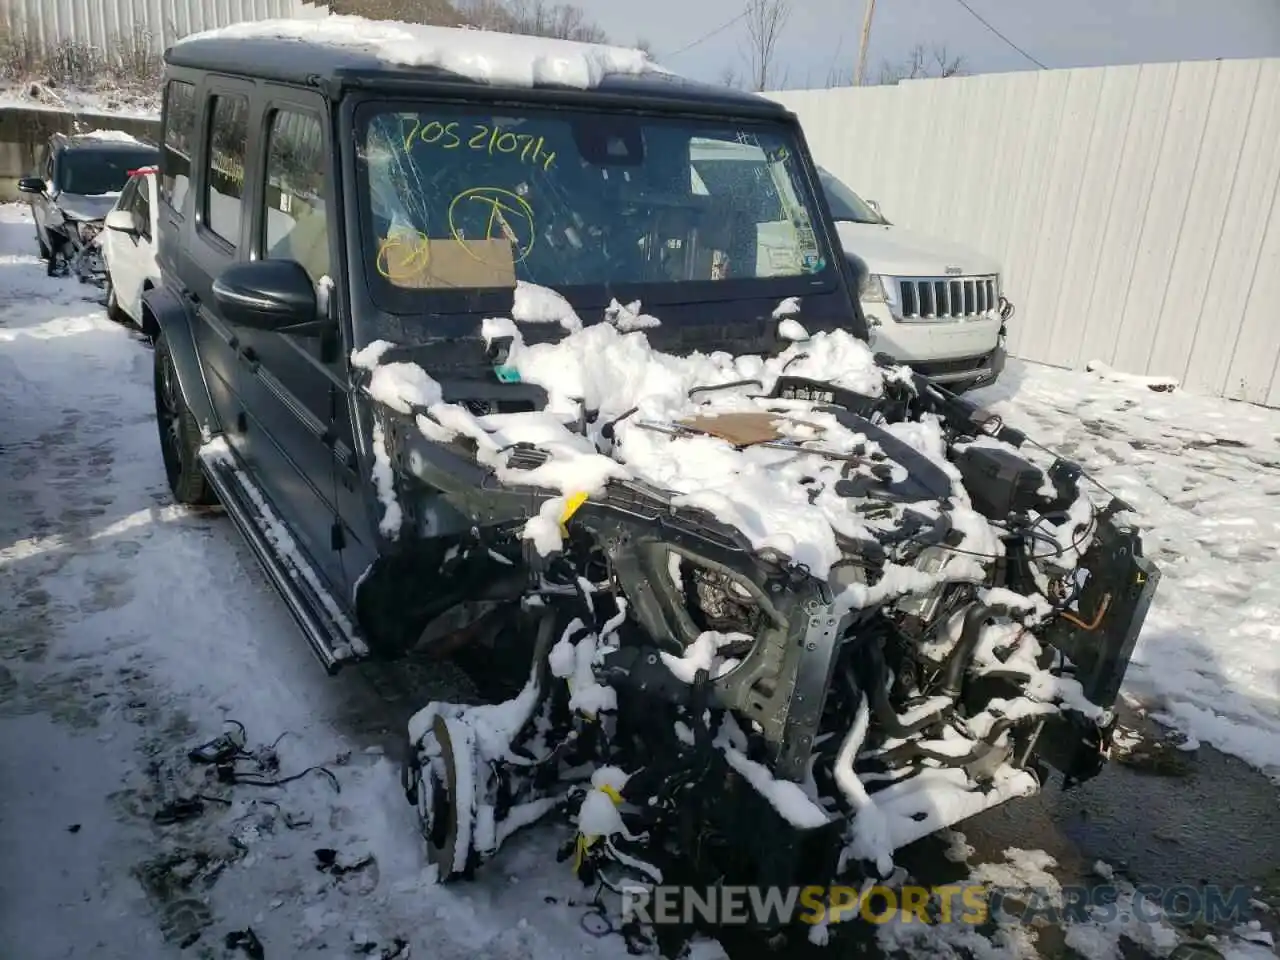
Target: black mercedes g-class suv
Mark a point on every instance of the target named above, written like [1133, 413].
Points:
[394, 299]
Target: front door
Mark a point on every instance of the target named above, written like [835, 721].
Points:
[290, 383]
[128, 254]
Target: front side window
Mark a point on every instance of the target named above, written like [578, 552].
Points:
[142, 205]
[129, 196]
[224, 177]
[179, 140]
[294, 221]
[474, 200]
[91, 172]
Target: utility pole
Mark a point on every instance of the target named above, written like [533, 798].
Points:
[860, 74]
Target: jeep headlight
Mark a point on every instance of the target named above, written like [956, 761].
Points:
[872, 289]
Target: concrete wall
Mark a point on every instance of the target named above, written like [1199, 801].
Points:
[1134, 208]
[22, 131]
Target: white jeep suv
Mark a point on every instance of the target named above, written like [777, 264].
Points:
[934, 305]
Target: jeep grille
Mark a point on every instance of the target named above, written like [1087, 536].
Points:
[948, 298]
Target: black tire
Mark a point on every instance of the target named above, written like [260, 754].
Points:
[179, 435]
[114, 313]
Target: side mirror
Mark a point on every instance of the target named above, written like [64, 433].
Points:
[272, 295]
[31, 185]
[122, 221]
[875, 205]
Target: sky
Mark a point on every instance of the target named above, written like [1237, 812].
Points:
[822, 35]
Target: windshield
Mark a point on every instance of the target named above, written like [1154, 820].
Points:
[94, 172]
[844, 203]
[463, 199]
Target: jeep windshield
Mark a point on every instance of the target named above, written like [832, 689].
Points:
[845, 204]
[91, 173]
[602, 204]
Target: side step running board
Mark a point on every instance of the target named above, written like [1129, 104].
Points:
[332, 636]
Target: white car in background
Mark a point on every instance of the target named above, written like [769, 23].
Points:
[129, 247]
[932, 304]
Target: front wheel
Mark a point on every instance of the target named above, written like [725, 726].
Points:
[179, 434]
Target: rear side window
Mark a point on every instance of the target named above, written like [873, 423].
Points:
[224, 178]
[179, 139]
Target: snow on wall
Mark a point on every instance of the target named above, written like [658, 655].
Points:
[102, 23]
[1134, 207]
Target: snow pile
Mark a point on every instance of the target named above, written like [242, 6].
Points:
[499, 58]
[1158, 384]
[112, 136]
[535, 304]
[627, 317]
[781, 499]
[105, 100]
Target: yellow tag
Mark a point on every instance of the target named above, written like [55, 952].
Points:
[585, 843]
[572, 505]
[611, 793]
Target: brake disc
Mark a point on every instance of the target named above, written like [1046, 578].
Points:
[446, 794]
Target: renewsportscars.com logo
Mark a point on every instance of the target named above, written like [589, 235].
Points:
[972, 904]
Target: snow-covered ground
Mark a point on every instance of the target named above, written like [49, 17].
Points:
[116, 101]
[1204, 477]
[132, 630]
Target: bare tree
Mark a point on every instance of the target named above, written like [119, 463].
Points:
[486, 14]
[436, 12]
[766, 19]
[565, 21]
[935, 62]
[729, 77]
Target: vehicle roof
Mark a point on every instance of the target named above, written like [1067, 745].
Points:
[81, 141]
[307, 62]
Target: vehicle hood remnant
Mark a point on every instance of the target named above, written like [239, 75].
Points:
[802, 609]
[86, 208]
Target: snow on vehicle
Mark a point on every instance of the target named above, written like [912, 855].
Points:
[795, 612]
[491, 362]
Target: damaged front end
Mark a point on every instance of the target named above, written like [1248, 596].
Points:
[709, 711]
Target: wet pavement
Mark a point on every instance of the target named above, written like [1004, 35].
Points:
[1156, 815]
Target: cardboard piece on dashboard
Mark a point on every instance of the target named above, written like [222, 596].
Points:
[742, 429]
[448, 263]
